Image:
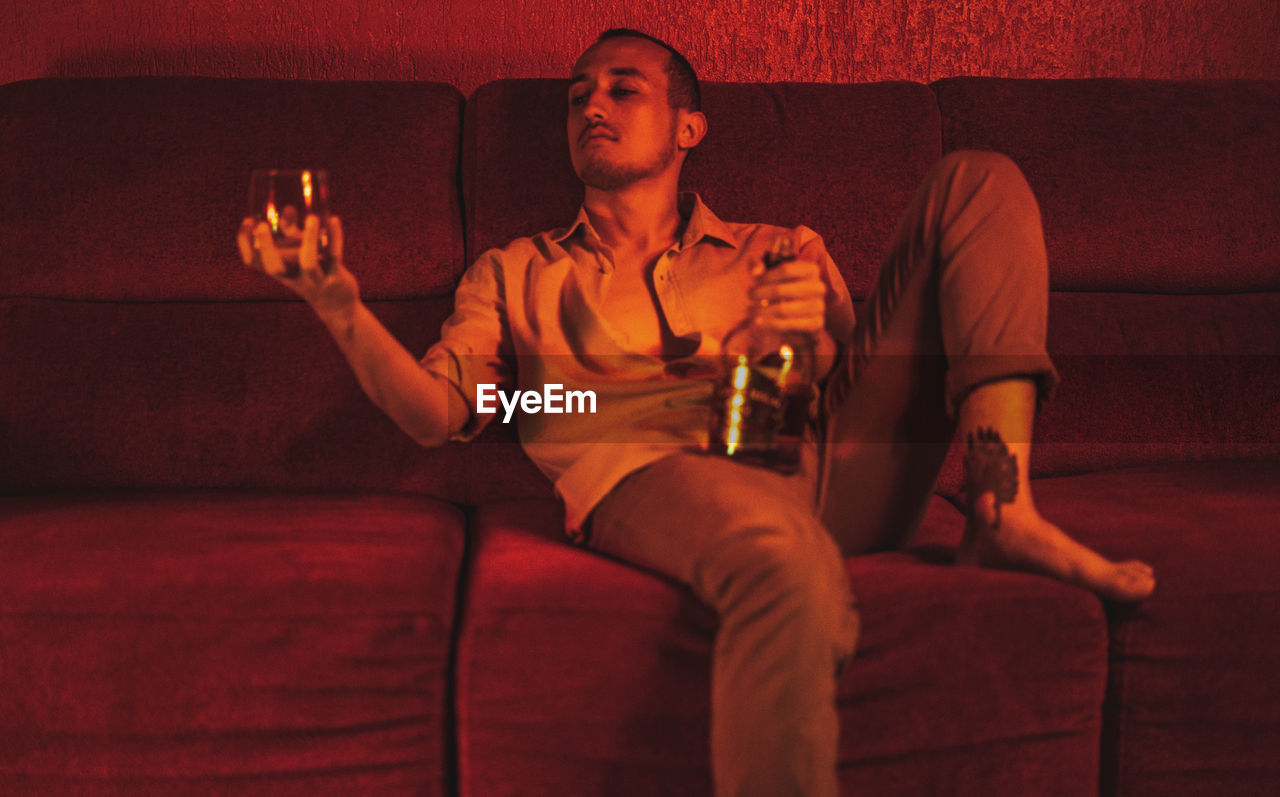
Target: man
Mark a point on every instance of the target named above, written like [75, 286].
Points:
[639, 290]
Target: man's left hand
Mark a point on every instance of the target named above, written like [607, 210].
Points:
[790, 296]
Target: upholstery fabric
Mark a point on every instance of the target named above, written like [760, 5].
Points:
[1192, 694]
[132, 189]
[1148, 378]
[190, 642]
[214, 394]
[1144, 185]
[193, 394]
[841, 159]
[580, 674]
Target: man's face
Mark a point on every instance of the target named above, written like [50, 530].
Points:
[621, 126]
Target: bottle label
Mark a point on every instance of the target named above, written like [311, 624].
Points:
[749, 412]
[760, 408]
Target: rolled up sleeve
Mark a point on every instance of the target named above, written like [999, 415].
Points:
[475, 342]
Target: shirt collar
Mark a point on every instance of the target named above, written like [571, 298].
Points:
[702, 224]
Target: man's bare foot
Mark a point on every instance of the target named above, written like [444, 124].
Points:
[1020, 539]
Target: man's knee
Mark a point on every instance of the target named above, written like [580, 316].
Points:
[991, 171]
[982, 162]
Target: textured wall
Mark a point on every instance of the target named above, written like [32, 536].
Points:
[468, 42]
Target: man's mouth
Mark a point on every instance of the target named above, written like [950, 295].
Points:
[598, 132]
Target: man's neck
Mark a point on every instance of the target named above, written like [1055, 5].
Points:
[638, 218]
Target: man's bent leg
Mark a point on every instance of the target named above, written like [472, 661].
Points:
[961, 300]
[746, 541]
[955, 326]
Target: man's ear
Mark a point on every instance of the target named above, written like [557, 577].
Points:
[690, 129]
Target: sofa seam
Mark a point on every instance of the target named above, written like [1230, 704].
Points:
[454, 742]
[1122, 644]
[1114, 699]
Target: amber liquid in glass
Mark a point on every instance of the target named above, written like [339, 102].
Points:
[283, 198]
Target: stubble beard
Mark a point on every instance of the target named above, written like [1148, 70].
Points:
[605, 175]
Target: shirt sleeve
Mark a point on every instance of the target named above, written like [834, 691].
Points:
[475, 341]
[840, 318]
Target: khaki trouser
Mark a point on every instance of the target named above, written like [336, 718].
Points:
[961, 299]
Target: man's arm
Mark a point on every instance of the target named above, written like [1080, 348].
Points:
[420, 402]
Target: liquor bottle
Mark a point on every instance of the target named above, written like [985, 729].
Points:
[760, 406]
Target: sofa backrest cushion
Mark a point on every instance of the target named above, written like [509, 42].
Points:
[132, 188]
[138, 352]
[1144, 185]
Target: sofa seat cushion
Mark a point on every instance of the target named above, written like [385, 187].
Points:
[580, 674]
[196, 641]
[1193, 701]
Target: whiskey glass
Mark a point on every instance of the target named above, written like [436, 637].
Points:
[283, 198]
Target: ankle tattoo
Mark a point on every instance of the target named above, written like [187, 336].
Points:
[990, 468]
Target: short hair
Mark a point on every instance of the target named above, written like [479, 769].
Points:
[682, 82]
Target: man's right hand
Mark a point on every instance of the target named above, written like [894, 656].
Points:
[328, 287]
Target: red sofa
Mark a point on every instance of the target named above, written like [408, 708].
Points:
[222, 570]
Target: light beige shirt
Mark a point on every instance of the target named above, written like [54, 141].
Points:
[527, 316]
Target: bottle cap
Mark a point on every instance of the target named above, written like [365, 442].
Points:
[782, 251]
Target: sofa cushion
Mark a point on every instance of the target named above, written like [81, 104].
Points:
[1149, 378]
[579, 674]
[841, 159]
[1144, 185]
[218, 394]
[200, 642]
[132, 188]
[1193, 702]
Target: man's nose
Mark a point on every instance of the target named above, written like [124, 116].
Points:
[594, 109]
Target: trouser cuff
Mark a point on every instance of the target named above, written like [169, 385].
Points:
[967, 372]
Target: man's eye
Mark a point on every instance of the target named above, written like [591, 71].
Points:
[620, 92]
[578, 100]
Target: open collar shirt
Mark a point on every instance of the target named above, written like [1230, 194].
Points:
[527, 316]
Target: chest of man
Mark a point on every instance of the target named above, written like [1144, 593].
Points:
[632, 306]
[674, 305]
